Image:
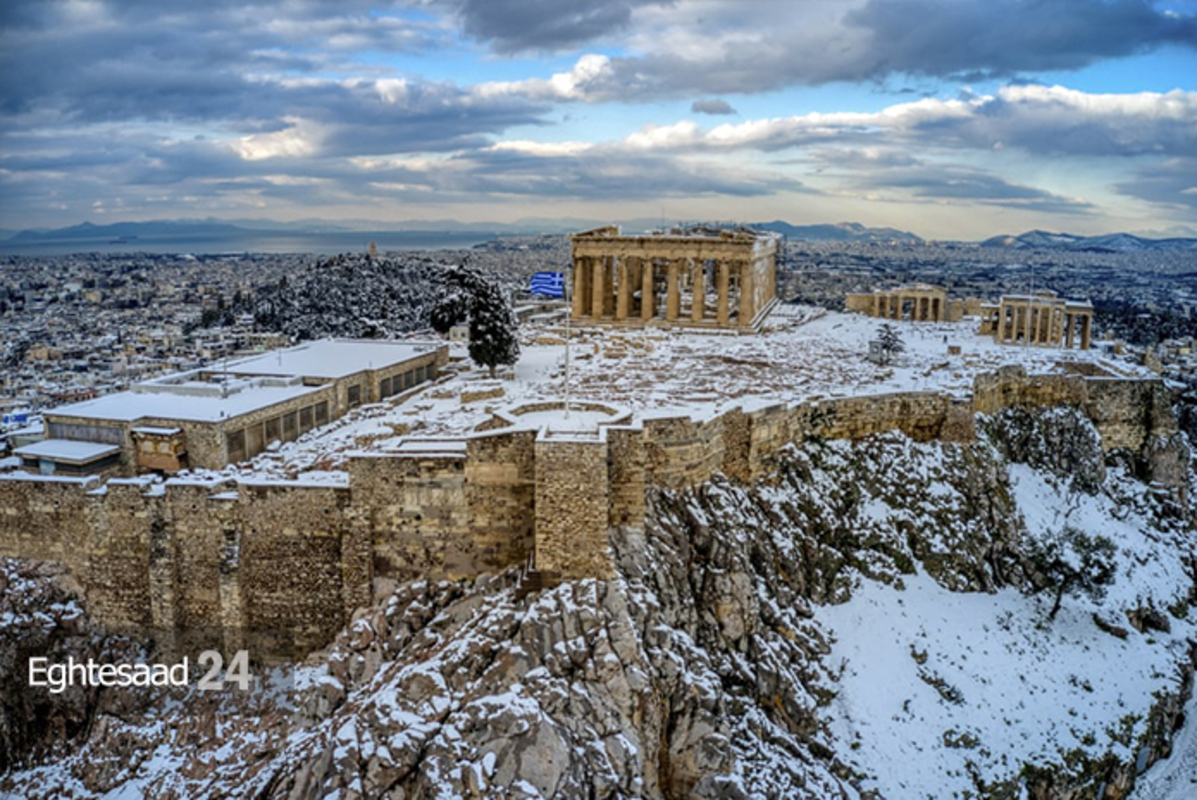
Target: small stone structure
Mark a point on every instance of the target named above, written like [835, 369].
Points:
[694, 277]
[918, 302]
[235, 558]
[1041, 318]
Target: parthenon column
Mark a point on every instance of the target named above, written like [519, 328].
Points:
[1086, 330]
[598, 291]
[623, 297]
[673, 295]
[635, 278]
[648, 297]
[581, 287]
[722, 312]
[698, 291]
[747, 311]
[1069, 321]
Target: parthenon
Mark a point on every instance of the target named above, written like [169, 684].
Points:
[1041, 318]
[706, 277]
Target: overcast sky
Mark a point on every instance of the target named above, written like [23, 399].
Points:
[949, 118]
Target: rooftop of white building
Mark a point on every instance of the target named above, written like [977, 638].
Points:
[330, 358]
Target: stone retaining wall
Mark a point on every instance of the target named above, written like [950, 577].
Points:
[299, 558]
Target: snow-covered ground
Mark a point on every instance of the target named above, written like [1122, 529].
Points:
[1174, 778]
[941, 688]
[803, 352]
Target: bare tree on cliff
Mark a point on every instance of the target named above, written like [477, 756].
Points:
[1070, 562]
[493, 329]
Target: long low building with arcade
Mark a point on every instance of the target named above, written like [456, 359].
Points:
[208, 418]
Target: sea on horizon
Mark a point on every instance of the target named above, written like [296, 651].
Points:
[328, 243]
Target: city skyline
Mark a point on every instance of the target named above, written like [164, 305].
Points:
[952, 120]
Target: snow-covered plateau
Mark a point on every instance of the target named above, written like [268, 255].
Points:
[874, 619]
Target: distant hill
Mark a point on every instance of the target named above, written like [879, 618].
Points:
[1106, 243]
[131, 230]
[213, 229]
[234, 232]
[839, 232]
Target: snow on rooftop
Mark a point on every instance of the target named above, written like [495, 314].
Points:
[330, 358]
[447, 447]
[67, 450]
[134, 405]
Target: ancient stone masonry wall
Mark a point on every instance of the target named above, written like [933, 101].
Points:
[46, 518]
[500, 472]
[298, 558]
[118, 579]
[680, 451]
[628, 476]
[452, 513]
[291, 559]
[1011, 387]
[1127, 412]
[409, 507]
[573, 508]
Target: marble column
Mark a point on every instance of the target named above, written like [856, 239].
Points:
[673, 295]
[723, 312]
[623, 289]
[598, 292]
[698, 291]
[747, 309]
[581, 287]
[648, 297]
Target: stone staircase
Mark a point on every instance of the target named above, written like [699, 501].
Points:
[534, 580]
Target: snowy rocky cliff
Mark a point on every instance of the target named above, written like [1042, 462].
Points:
[870, 620]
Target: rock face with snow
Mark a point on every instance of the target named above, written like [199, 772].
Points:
[864, 620]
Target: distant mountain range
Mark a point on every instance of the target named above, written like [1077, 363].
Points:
[839, 232]
[1107, 243]
[216, 229]
[217, 233]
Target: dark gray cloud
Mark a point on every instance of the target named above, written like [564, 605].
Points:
[712, 106]
[512, 26]
[1172, 183]
[724, 47]
[982, 38]
[959, 183]
[182, 61]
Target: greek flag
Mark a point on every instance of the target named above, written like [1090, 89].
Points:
[549, 284]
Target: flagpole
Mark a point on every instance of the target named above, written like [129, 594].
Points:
[569, 274]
